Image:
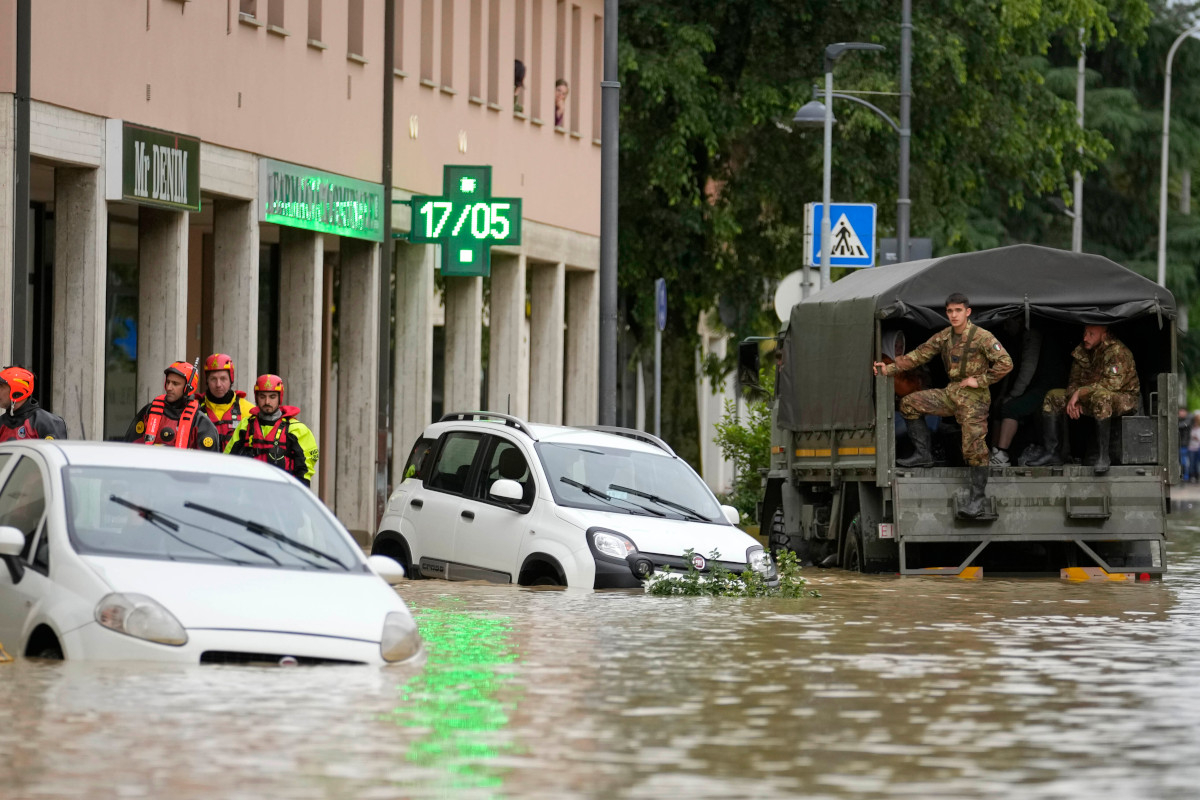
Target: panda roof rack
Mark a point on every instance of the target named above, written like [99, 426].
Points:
[489, 416]
[631, 433]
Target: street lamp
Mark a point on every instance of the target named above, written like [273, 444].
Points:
[832, 53]
[1166, 137]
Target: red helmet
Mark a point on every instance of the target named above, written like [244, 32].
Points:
[20, 382]
[219, 361]
[186, 371]
[269, 383]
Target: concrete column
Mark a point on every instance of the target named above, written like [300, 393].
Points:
[7, 122]
[583, 348]
[162, 297]
[464, 343]
[358, 379]
[81, 252]
[547, 290]
[412, 372]
[508, 351]
[301, 290]
[235, 287]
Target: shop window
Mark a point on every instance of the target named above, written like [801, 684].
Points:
[576, 36]
[248, 8]
[398, 37]
[268, 308]
[447, 44]
[475, 54]
[427, 41]
[275, 13]
[533, 67]
[314, 20]
[121, 328]
[494, 53]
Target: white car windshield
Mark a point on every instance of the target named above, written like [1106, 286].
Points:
[629, 481]
[189, 516]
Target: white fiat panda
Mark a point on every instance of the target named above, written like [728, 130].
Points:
[490, 497]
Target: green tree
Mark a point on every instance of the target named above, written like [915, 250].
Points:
[713, 183]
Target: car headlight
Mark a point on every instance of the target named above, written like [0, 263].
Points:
[611, 544]
[760, 561]
[400, 638]
[140, 616]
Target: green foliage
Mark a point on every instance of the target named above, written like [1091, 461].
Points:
[720, 582]
[748, 445]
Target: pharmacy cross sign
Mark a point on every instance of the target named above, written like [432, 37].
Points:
[466, 220]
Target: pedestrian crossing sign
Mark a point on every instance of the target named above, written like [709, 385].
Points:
[852, 234]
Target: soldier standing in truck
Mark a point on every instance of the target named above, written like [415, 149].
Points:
[974, 360]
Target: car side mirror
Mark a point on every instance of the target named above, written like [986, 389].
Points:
[12, 542]
[506, 491]
[387, 568]
[731, 514]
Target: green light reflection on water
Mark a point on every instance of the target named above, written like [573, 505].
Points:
[457, 696]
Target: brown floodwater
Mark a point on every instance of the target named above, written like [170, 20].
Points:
[880, 687]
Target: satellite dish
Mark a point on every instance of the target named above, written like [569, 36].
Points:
[791, 291]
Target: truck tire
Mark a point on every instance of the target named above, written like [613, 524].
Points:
[777, 540]
[852, 548]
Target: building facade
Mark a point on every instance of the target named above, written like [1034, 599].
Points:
[206, 176]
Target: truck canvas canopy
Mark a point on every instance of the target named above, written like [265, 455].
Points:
[832, 333]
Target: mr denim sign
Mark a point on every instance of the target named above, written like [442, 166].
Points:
[151, 167]
[852, 234]
[465, 220]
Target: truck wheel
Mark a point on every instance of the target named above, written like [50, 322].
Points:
[852, 549]
[777, 540]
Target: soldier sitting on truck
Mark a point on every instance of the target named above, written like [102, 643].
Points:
[1103, 383]
[974, 360]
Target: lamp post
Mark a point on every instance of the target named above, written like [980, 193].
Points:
[1166, 138]
[832, 53]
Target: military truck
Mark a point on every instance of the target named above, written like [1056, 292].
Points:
[833, 491]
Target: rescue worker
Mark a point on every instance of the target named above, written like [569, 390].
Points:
[974, 360]
[23, 418]
[1103, 383]
[175, 418]
[225, 407]
[271, 433]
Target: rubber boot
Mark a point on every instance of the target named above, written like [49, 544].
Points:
[1050, 456]
[918, 432]
[1102, 456]
[978, 478]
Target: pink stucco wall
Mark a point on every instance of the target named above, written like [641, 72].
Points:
[317, 107]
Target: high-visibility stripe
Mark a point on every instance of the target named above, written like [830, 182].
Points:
[856, 451]
[825, 452]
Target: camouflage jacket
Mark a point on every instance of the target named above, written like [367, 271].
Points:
[987, 361]
[1109, 366]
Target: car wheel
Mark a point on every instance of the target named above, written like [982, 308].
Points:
[44, 644]
[397, 550]
[852, 549]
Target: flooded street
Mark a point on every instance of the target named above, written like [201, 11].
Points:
[881, 687]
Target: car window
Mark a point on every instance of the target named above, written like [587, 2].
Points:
[202, 517]
[23, 500]
[416, 466]
[453, 465]
[41, 553]
[505, 460]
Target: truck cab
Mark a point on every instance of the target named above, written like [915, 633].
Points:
[834, 493]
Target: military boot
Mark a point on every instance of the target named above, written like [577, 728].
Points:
[978, 478]
[1102, 456]
[918, 432]
[1050, 455]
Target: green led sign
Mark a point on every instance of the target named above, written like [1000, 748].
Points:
[299, 197]
[466, 220]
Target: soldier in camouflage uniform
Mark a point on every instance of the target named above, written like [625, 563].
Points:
[1103, 383]
[974, 360]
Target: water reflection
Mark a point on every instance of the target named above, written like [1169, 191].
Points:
[882, 687]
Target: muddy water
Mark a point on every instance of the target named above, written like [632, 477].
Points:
[881, 687]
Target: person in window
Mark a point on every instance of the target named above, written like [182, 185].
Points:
[273, 434]
[518, 84]
[561, 90]
[176, 417]
[23, 418]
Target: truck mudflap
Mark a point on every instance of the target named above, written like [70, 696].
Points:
[1047, 520]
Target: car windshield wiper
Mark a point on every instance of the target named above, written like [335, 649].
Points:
[606, 497]
[268, 533]
[171, 527]
[653, 498]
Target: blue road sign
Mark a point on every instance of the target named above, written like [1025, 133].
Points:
[660, 303]
[852, 234]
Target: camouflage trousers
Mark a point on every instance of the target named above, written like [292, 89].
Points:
[968, 406]
[1099, 403]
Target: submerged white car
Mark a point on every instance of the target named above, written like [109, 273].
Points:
[115, 551]
[490, 497]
